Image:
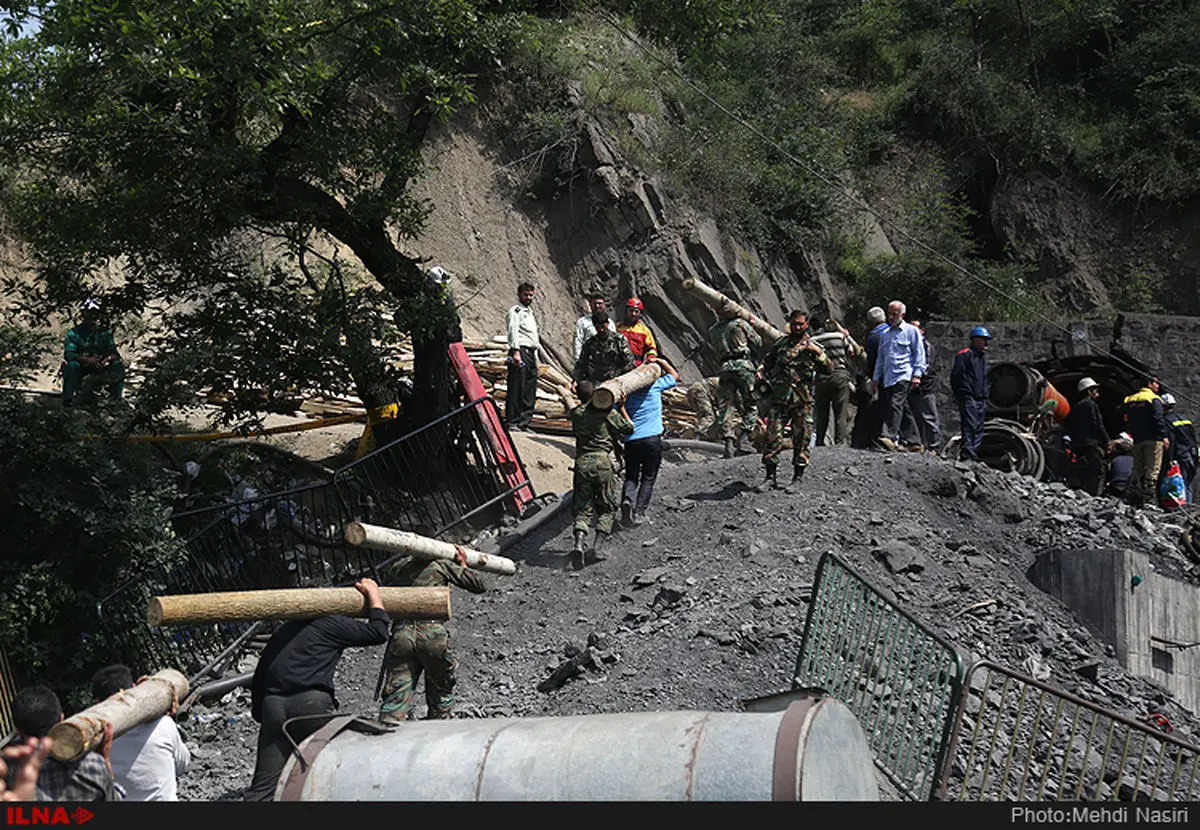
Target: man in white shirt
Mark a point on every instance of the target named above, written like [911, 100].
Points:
[522, 360]
[584, 327]
[147, 758]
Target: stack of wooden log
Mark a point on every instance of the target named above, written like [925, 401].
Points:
[489, 359]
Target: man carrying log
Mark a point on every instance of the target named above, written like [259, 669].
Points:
[788, 370]
[605, 354]
[147, 759]
[736, 343]
[294, 678]
[35, 711]
[597, 430]
[423, 646]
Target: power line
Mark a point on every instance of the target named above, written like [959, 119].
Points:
[858, 201]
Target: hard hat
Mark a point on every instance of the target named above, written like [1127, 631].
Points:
[91, 304]
[981, 331]
[634, 302]
[1168, 399]
[1086, 384]
[439, 275]
[1126, 437]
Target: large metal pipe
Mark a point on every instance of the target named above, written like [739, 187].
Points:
[815, 750]
[720, 302]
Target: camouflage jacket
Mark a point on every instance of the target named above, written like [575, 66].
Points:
[736, 341]
[603, 358]
[413, 572]
[789, 366]
[595, 430]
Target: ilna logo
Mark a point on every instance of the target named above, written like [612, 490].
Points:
[46, 815]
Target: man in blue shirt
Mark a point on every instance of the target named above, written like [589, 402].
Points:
[898, 369]
[643, 449]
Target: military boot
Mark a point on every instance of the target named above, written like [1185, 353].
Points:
[599, 544]
[797, 477]
[577, 551]
[768, 482]
[728, 448]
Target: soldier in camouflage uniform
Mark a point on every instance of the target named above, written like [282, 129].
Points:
[606, 354]
[736, 342]
[700, 396]
[418, 646]
[788, 370]
[597, 493]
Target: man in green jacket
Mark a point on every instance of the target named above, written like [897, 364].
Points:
[89, 349]
[596, 490]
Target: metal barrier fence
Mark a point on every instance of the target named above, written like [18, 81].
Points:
[900, 679]
[8, 690]
[1016, 738]
[433, 481]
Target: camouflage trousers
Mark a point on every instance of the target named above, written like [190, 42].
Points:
[416, 648]
[800, 417]
[597, 493]
[735, 403]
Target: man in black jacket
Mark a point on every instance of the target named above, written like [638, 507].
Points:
[1183, 443]
[294, 677]
[1144, 421]
[1085, 425]
[969, 382]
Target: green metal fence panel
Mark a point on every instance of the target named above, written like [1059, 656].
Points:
[1015, 738]
[8, 690]
[900, 678]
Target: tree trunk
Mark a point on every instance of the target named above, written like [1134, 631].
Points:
[422, 547]
[295, 604]
[147, 700]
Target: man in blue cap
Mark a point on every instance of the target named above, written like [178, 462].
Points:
[969, 382]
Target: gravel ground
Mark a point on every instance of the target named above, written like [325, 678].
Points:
[704, 605]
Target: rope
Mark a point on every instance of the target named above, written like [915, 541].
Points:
[856, 200]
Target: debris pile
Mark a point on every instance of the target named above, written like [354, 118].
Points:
[705, 603]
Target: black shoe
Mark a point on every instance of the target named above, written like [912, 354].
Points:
[627, 517]
[797, 477]
[577, 550]
[768, 483]
[599, 544]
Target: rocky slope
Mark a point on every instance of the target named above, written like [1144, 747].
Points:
[705, 604]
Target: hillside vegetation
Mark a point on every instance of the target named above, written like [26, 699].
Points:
[245, 171]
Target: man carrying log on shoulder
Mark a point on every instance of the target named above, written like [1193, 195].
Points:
[597, 495]
[294, 677]
[35, 711]
[423, 646]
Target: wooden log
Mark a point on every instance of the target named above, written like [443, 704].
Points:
[152, 698]
[720, 302]
[618, 389]
[296, 604]
[401, 541]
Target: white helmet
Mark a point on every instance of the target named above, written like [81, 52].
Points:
[1168, 399]
[91, 304]
[1086, 384]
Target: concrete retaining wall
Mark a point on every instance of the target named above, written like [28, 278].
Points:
[1153, 626]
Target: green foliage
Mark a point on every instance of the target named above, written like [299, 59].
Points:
[83, 511]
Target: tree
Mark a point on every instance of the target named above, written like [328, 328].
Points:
[161, 136]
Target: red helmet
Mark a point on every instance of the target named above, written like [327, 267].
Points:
[634, 302]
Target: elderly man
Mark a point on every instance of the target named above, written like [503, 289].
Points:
[584, 326]
[898, 370]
